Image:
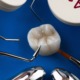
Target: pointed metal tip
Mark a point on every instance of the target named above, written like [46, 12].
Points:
[31, 7]
[37, 52]
[6, 39]
[21, 58]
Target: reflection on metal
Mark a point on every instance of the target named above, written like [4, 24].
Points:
[31, 7]
[36, 73]
[6, 39]
[61, 74]
[21, 58]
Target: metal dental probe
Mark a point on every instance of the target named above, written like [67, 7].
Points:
[18, 57]
[6, 39]
[74, 60]
[60, 51]
[21, 58]
[31, 7]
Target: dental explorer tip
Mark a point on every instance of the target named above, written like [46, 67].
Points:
[37, 52]
[6, 39]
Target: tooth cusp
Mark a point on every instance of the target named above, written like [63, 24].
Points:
[46, 36]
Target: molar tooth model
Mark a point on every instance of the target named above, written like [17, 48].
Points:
[49, 39]
[46, 36]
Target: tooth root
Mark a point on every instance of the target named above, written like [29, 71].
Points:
[47, 37]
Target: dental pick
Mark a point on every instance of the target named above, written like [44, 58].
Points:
[21, 58]
[66, 55]
[6, 39]
[31, 7]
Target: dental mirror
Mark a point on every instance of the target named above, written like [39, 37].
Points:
[61, 74]
[36, 73]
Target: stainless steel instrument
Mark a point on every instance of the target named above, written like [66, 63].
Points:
[31, 7]
[21, 58]
[6, 39]
[18, 57]
[36, 73]
[61, 74]
[69, 57]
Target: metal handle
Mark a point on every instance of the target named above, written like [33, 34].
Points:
[75, 61]
[36, 73]
[61, 74]
[21, 58]
[31, 7]
[6, 39]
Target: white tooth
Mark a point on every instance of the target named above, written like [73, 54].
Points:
[46, 36]
[9, 5]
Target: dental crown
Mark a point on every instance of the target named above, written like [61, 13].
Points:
[45, 36]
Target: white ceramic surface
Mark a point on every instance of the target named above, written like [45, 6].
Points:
[67, 11]
[10, 5]
[45, 36]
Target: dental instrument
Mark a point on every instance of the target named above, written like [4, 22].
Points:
[11, 5]
[49, 39]
[61, 74]
[18, 57]
[31, 7]
[6, 39]
[21, 58]
[69, 57]
[36, 73]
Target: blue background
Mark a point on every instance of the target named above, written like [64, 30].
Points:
[17, 24]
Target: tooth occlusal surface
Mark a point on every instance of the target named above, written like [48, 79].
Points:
[45, 36]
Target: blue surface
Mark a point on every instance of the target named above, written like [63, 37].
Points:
[17, 24]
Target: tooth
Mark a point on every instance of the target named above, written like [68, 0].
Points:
[45, 36]
[9, 5]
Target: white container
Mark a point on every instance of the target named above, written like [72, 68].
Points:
[67, 11]
[10, 5]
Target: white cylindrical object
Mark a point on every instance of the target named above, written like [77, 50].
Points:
[67, 11]
[10, 5]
